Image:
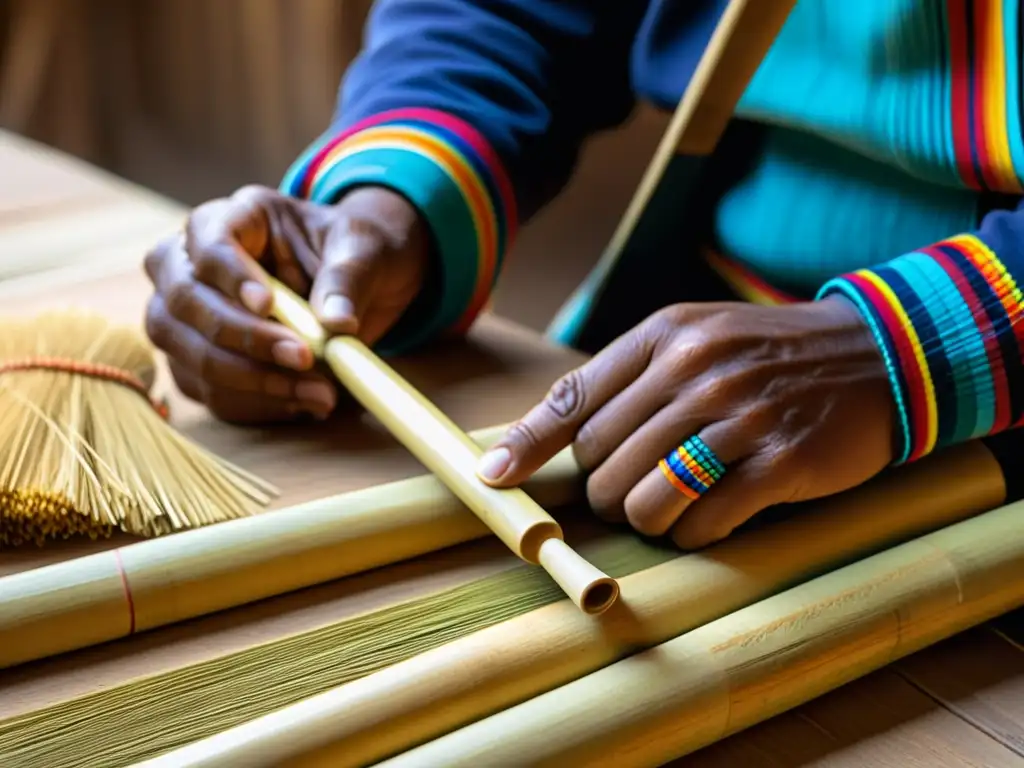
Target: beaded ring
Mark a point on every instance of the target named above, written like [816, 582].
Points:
[692, 468]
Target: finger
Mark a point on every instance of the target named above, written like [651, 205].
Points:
[635, 450]
[249, 409]
[296, 258]
[552, 424]
[187, 382]
[235, 407]
[224, 324]
[686, 477]
[652, 397]
[231, 328]
[158, 256]
[346, 284]
[220, 369]
[376, 322]
[224, 239]
[749, 488]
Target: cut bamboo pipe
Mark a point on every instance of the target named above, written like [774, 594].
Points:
[514, 517]
[730, 674]
[112, 594]
[435, 692]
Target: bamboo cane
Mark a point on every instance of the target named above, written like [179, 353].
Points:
[430, 694]
[112, 594]
[758, 662]
[448, 452]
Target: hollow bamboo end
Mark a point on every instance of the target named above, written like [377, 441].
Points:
[535, 537]
[593, 592]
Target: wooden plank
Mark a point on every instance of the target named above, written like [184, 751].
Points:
[979, 677]
[57, 213]
[880, 720]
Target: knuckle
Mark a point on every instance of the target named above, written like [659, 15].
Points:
[254, 194]
[156, 257]
[588, 447]
[521, 433]
[604, 498]
[682, 359]
[179, 297]
[667, 319]
[213, 326]
[156, 323]
[206, 263]
[567, 397]
[206, 359]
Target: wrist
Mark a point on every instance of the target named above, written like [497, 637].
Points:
[839, 315]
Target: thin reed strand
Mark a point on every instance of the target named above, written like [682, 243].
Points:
[84, 451]
[145, 717]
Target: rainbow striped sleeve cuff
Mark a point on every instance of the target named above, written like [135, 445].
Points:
[947, 319]
[447, 170]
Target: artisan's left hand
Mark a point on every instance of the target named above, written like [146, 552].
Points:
[793, 401]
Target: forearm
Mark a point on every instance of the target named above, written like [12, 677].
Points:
[475, 113]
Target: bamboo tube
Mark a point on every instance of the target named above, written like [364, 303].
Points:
[515, 518]
[112, 594]
[758, 662]
[430, 694]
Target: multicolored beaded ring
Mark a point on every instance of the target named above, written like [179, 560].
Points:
[692, 468]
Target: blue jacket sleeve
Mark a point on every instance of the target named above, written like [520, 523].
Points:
[948, 318]
[475, 111]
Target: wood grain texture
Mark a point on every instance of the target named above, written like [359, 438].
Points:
[881, 720]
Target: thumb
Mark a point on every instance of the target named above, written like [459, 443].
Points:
[346, 282]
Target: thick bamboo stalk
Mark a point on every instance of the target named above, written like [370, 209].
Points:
[758, 662]
[428, 695]
[113, 594]
[515, 518]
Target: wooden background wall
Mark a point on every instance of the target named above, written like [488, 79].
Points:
[196, 97]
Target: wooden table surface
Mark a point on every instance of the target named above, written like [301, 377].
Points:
[960, 703]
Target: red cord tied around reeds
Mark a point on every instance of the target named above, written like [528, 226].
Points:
[85, 450]
[92, 370]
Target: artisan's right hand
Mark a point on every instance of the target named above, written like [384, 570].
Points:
[361, 262]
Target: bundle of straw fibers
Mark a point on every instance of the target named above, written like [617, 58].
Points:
[430, 694]
[85, 451]
[732, 673]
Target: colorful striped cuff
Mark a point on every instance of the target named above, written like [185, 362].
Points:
[447, 170]
[947, 319]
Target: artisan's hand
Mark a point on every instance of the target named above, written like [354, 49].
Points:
[794, 401]
[361, 262]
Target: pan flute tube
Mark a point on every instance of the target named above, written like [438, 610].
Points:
[112, 594]
[435, 692]
[730, 674]
[448, 452]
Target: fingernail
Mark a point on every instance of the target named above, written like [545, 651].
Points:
[291, 354]
[494, 464]
[338, 308]
[254, 297]
[317, 393]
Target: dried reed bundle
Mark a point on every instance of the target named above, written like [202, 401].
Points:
[761, 661]
[145, 717]
[85, 451]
